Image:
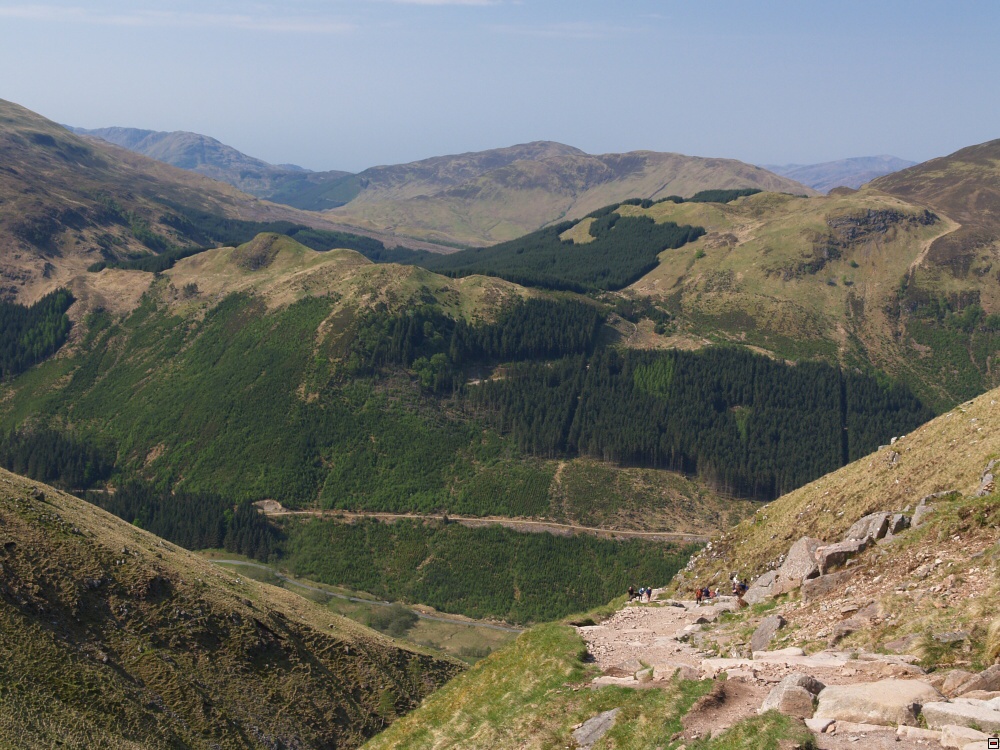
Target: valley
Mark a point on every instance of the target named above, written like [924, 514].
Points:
[425, 424]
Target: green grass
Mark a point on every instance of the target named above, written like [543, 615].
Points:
[530, 695]
[770, 731]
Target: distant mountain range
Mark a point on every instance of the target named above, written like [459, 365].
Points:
[852, 173]
[475, 198]
[200, 153]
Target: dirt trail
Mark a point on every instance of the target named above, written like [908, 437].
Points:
[664, 636]
[526, 525]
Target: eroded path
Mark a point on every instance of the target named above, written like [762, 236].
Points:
[643, 645]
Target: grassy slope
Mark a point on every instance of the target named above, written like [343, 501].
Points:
[528, 696]
[535, 691]
[112, 637]
[748, 280]
[520, 197]
[948, 453]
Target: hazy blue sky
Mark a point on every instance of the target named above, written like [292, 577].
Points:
[352, 83]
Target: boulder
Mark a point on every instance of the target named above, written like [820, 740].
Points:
[924, 506]
[760, 589]
[887, 702]
[940, 715]
[916, 733]
[953, 680]
[898, 523]
[958, 737]
[793, 696]
[765, 632]
[987, 484]
[591, 731]
[644, 675]
[834, 555]
[869, 528]
[799, 564]
[988, 679]
[817, 587]
[818, 726]
[790, 701]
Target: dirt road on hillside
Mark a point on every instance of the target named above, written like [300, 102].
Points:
[275, 510]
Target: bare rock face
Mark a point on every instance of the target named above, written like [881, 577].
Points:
[817, 587]
[799, 565]
[834, 555]
[765, 632]
[870, 528]
[939, 715]
[887, 702]
[760, 589]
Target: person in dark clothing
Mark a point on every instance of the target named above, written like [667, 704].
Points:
[631, 593]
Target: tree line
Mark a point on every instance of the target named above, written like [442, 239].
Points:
[30, 334]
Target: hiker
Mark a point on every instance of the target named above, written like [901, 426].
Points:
[631, 593]
[698, 594]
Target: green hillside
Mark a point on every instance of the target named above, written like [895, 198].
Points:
[111, 637]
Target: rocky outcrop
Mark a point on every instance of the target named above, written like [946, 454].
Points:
[765, 632]
[817, 587]
[887, 702]
[988, 679]
[799, 565]
[939, 715]
[761, 588]
[987, 483]
[926, 506]
[835, 555]
[870, 528]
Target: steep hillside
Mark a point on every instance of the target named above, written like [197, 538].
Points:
[498, 199]
[209, 157]
[68, 202]
[949, 453]
[112, 637]
[851, 277]
[852, 173]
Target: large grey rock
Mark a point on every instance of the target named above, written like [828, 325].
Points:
[959, 737]
[765, 632]
[799, 564]
[887, 702]
[869, 528]
[939, 715]
[793, 696]
[760, 590]
[592, 730]
[925, 506]
[817, 587]
[898, 523]
[834, 555]
[987, 484]
[790, 701]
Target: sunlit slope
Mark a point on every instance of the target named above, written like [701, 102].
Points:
[524, 195]
[112, 637]
[831, 277]
[67, 202]
[948, 453]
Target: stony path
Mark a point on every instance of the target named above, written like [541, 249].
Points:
[662, 635]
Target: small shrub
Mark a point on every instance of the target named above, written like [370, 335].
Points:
[394, 620]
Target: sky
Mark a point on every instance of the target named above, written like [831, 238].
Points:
[348, 84]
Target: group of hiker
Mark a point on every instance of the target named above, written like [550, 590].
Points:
[644, 594]
[705, 593]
